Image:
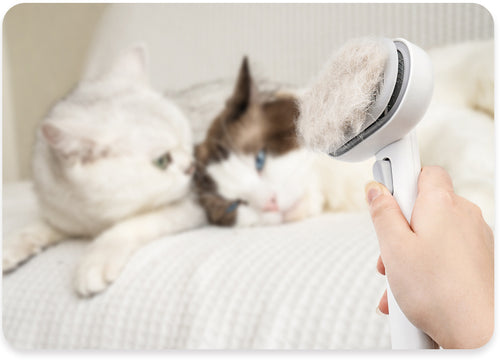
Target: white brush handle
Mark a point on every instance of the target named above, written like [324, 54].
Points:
[404, 171]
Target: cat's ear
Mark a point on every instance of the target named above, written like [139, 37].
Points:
[71, 144]
[130, 65]
[244, 94]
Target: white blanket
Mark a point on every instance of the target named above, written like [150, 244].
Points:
[306, 285]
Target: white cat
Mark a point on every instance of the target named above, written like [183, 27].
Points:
[112, 161]
[458, 131]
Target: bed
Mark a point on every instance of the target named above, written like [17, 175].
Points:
[305, 285]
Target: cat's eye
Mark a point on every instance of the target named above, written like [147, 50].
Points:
[163, 161]
[260, 160]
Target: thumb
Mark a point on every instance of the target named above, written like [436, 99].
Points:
[390, 224]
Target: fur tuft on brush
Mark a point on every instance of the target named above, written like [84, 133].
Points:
[337, 105]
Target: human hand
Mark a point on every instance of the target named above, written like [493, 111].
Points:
[440, 266]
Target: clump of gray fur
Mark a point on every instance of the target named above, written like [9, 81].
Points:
[334, 108]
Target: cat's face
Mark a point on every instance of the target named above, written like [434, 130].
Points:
[115, 136]
[250, 156]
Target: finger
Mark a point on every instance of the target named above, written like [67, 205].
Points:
[390, 224]
[383, 305]
[380, 266]
[434, 177]
[489, 238]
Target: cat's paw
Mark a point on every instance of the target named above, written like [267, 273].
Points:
[246, 217]
[249, 217]
[99, 267]
[27, 242]
[271, 218]
[310, 204]
[18, 248]
[297, 211]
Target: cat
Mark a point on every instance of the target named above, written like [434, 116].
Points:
[457, 132]
[252, 171]
[112, 162]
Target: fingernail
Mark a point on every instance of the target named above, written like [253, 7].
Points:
[379, 312]
[372, 191]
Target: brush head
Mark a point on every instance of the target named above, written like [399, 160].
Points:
[359, 93]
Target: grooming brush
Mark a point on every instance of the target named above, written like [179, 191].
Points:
[366, 102]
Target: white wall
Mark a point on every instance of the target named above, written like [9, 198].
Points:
[44, 49]
[191, 43]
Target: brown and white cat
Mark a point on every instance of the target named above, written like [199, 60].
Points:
[252, 171]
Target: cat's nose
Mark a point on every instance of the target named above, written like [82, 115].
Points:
[271, 205]
[190, 169]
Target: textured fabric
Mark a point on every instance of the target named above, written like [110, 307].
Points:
[306, 285]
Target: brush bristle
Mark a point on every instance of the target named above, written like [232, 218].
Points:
[334, 108]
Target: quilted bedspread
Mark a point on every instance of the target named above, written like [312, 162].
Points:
[305, 285]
